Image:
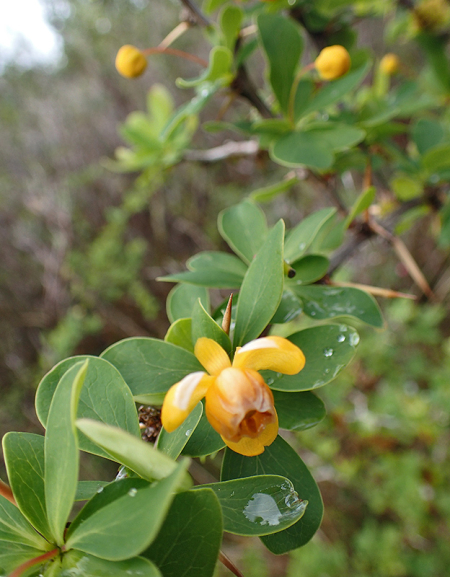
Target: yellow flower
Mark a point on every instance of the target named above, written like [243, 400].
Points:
[130, 62]
[389, 64]
[333, 62]
[239, 404]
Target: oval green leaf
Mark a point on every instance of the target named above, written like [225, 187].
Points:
[298, 411]
[181, 300]
[300, 238]
[171, 444]
[205, 326]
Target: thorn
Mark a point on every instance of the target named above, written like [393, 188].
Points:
[227, 316]
[229, 564]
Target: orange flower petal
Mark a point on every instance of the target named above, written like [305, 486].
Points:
[273, 353]
[182, 397]
[252, 447]
[211, 355]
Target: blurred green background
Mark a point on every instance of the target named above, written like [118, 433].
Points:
[81, 247]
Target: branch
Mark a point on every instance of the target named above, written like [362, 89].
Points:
[197, 13]
[245, 87]
[232, 148]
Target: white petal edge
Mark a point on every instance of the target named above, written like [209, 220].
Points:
[185, 390]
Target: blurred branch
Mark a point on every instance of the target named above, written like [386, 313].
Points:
[227, 150]
[196, 12]
[245, 87]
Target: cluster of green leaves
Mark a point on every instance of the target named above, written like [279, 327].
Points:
[88, 403]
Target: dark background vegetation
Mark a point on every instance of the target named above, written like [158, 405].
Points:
[76, 275]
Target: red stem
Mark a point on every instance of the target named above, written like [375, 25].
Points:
[175, 52]
[36, 561]
[5, 491]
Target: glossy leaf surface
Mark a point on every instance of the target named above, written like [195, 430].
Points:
[78, 564]
[262, 288]
[149, 365]
[281, 459]
[189, 540]
[204, 440]
[171, 444]
[298, 411]
[180, 334]
[300, 238]
[105, 397]
[181, 300]
[327, 349]
[258, 505]
[24, 458]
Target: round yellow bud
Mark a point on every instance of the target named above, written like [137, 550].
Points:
[389, 64]
[333, 62]
[130, 62]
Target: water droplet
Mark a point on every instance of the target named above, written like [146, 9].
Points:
[354, 339]
[132, 492]
[188, 432]
[341, 338]
[302, 246]
[100, 489]
[312, 313]
[327, 371]
[278, 375]
[328, 352]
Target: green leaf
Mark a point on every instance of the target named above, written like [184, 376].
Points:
[205, 326]
[125, 527]
[361, 204]
[78, 564]
[219, 69]
[149, 365]
[283, 46]
[189, 541]
[12, 555]
[280, 459]
[258, 505]
[105, 397]
[171, 444]
[333, 91]
[230, 19]
[61, 450]
[406, 188]
[224, 271]
[204, 440]
[135, 454]
[427, 134]
[327, 349]
[160, 106]
[24, 458]
[180, 334]
[300, 238]
[262, 288]
[288, 309]
[310, 268]
[298, 411]
[302, 149]
[337, 135]
[244, 228]
[324, 302]
[438, 158]
[268, 193]
[17, 533]
[181, 300]
[87, 489]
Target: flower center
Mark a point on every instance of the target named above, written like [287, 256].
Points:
[253, 423]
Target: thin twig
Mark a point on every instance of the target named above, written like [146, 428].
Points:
[373, 290]
[232, 148]
[174, 34]
[196, 12]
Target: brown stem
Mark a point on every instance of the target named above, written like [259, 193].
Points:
[175, 52]
[244, 86]
[32, 562]
[229, 564]
[5, 491]
[196, 12]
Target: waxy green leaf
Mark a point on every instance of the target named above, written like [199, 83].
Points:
[133, 453]
[24, 458]
[281, 459]
[181, 300]
[180, 334]
[298, 411]
[258, 505]
[171, 444]
[244, 228]
[87, 489]
[138, 515]
[302, 149]
[327, 349]
[204, 440]
[61, 450]
[283, 46]
[325, 302]
[189, 541]
[309, 268]
[78, 564]
[262, 288]
[149, 365]
[17, 533]
[300, 238]
[203, 325]
[105, 397]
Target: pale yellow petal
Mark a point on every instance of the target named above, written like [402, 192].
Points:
[211, 355]
[182, 398]
[252, 447]
[272, 353]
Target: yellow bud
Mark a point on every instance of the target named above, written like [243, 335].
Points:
[333, 62]
[130, 62]
[389, 64]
